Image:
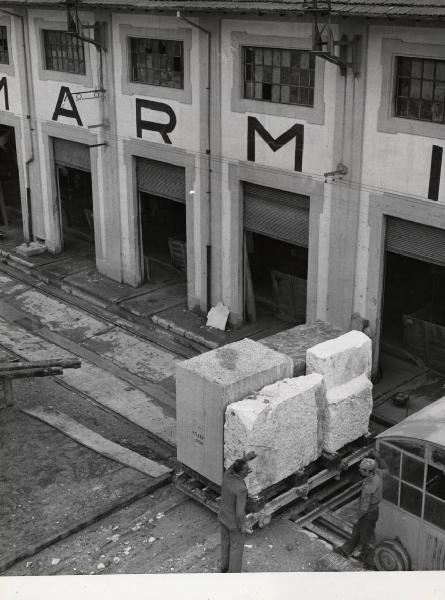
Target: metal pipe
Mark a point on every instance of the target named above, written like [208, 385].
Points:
[208, 152]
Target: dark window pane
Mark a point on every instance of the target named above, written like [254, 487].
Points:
[434, 511]
[258, 56]
[426, 110]
[435, 482]
[416, 68]
[391, 456]
[391, 489]
[412, 470]
[414, 91]
[410, 499]
[427, 90]
[404, 66]
[440, 70]
[304, 96]
[157, 62]
[63, 52]
[428, 69]
[4, 53]
[267, 74]
[416, 448]
[249, 55]
[267, 91]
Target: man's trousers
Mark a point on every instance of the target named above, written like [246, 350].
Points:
[232, 546]
[363, 533]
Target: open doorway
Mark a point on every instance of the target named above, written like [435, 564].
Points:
[10, 199]
[279, 275]
[76, 202]
[413, 320]
[163, 232]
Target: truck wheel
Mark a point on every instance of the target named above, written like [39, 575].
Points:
[391, 555]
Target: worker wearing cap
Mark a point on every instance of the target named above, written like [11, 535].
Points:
[232, 516]
[363, 531]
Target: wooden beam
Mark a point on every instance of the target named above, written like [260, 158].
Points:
[35, 372]
[64, 363]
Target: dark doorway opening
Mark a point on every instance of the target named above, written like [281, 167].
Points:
[10, 199]
[76, 202]
[279, 276]
[413, 320]
[163, 231]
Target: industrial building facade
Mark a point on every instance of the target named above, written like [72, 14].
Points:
[219, 141]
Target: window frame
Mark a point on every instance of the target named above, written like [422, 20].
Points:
[131, 66]
[311, 114]
[80, 43]
[61, 76]
[130, 88]
[387, 120]
[254, 82]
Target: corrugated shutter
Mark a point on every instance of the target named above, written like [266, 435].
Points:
[161, 179]
[72, 154]
[416, 240]
[277, 214]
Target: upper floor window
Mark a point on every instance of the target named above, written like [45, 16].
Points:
[157, 62]
[420, 89]
[279, 75]
[63, 52]
[4, 53]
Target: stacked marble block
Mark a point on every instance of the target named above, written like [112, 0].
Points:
[206, 385]
[345, 364]
[290, 423]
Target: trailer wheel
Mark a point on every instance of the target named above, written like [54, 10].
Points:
[391, 555]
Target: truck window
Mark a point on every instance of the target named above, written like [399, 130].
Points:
[416, 448]
[413, 470]
[411, 499]
[434, 511]
[391, 456]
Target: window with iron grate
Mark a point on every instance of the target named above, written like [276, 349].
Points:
[279, 75]
[420, 89]
[157, 62]
[4, 52]
[63, 52]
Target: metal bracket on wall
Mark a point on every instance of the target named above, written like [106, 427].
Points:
[97, 145]
[84, 95]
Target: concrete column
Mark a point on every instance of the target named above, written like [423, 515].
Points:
[345, 199]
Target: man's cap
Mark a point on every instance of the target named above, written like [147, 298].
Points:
[367, 463]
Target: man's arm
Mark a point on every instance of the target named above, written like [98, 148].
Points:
[241, 498]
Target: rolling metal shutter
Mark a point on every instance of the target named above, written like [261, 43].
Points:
[161, 179]
[72, 154]
[277, 214]
[416, 240]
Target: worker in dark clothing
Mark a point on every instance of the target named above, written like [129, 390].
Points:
[232, 516]
[363, 531]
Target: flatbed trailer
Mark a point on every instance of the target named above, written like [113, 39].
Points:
[300, 486]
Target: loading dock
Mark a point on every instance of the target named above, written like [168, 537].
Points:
[276, 238]
[162, 209]
[73, 172]
[413, 316]
[10, 200]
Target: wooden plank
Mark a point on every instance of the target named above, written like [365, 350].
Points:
[96, 442]
[65, 363]
[21, 374]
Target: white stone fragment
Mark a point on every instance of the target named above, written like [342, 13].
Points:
[281, 424]
[205, 385]
[347, 411]
[217, 316]
[341, 359]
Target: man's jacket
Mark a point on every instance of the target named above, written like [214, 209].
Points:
[371, 493]
[233, 501]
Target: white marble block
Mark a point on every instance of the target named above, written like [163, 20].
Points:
[346, 414]
[281, 424]
[205, 385]
[341, 359]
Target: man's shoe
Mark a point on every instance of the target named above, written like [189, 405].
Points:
[342, 551]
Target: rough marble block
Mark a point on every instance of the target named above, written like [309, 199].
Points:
[341, 359]
[346, 414]
[295, 341]
[281, 424]
[206, 385]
